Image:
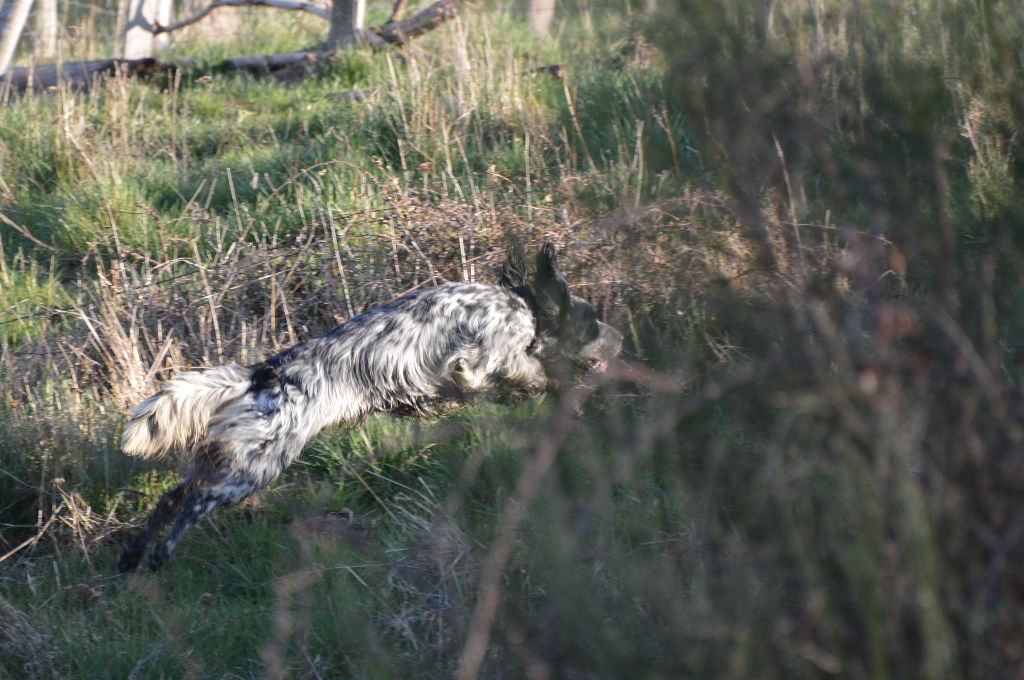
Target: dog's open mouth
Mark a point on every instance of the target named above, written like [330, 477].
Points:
[595, 366]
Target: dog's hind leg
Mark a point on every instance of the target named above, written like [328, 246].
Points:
[226, 490]
[165, 509]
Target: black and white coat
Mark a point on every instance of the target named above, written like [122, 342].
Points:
[421, 354]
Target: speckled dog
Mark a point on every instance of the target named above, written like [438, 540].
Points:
[421, 354]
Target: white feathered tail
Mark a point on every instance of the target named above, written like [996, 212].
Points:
[177, 415]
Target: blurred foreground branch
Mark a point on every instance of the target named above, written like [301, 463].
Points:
[536, 469]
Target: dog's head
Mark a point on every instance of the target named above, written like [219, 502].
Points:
[568, 331]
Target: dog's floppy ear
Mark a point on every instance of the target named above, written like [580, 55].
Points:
[550, 287]
[513, 272]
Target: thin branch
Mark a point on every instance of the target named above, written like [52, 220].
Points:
[514, 512]
[396, 9]
[25, 232]
[279, 4]
[29, 541]
[427, 19]
[535, 469]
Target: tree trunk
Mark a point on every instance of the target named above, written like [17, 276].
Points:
[120, 20]
[541, 14]
[346, 19]
[13, 15]
[45, 44]
[138, 32]
[164, 12]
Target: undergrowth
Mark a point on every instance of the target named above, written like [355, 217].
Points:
[803, 217]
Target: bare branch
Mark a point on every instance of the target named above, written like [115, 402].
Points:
[427, 19]
[25, 232]
[393, 31]
[279, 4]
[396, 9]
[535, 469]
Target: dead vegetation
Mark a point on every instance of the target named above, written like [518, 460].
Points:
[815, 472]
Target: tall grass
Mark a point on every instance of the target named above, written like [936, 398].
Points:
[801, 214]
[893, 125]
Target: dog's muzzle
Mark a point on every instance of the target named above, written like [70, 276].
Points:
[596, 354]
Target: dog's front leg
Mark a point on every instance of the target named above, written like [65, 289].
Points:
[524, 378]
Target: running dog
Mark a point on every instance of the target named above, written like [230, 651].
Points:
[424, 353]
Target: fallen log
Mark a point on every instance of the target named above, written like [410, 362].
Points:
[269, 63]
[81, 75]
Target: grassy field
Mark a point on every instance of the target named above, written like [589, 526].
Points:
[804, 216]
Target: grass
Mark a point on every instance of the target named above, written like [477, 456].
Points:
[802, 216]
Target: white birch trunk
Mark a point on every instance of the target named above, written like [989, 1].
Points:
[121, 20]
[164, 14]
[13, 15]
[138, 32]
[45, 43]
[541, 14]
[346, 18]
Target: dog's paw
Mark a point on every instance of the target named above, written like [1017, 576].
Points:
[158, 557]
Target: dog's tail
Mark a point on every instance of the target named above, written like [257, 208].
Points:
[177, 415]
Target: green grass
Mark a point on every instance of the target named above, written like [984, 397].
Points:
[804, 221]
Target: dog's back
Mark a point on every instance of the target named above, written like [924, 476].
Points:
[420, 353]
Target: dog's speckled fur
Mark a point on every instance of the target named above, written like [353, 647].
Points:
[424, 353]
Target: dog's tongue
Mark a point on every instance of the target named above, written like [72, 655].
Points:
[600, 367]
